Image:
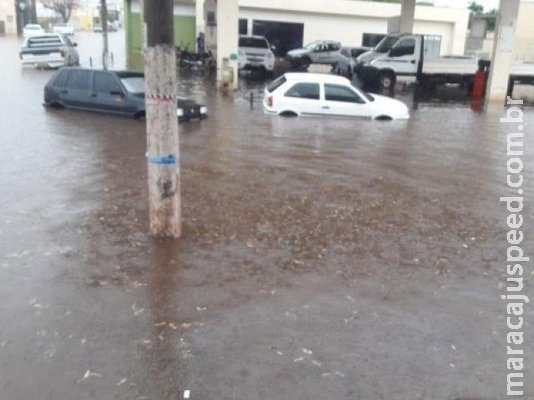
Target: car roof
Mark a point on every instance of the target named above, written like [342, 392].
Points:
[46, 35]
[316, 78]
[120, 74]
[326, 41]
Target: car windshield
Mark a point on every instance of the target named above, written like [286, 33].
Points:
[253, 42]
[134, 84]
[33, 27]
[385, 44]
[271, 87]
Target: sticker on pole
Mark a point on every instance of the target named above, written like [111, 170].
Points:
[162, 160]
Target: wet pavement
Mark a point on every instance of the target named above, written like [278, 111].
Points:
[321, 258]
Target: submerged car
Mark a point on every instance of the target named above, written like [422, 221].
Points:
[115, 92]
[295, 94]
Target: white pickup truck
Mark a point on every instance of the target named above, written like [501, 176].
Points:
[417, 56]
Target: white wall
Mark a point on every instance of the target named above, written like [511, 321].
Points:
[347, 20]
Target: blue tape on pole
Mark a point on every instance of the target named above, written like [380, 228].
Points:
[165, 160]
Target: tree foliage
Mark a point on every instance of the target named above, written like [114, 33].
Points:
[475, 8]
[62, 7]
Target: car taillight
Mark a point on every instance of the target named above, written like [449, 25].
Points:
[270, 101]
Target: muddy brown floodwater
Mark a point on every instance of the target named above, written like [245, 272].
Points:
[321, 258]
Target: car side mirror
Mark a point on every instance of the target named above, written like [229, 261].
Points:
[116, 93]
[273, 48]
[75, 44]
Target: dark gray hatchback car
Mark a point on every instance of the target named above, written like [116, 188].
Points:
[116, 92]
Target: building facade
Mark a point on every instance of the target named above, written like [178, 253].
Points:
[291, 23]
[8, 18]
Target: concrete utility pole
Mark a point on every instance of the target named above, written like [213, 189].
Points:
[104, 21]
[161, 119]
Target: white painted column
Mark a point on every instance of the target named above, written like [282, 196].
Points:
[227, 35]
[502, 51]
[199, 17]
[407, 16]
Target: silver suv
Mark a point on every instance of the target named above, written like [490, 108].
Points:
[320, 52]
[255, 53]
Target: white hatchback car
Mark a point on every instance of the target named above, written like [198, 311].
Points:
[294, 94]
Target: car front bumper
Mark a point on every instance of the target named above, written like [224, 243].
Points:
[189, 113]
[260, 66]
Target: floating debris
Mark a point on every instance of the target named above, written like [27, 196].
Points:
[88, 374]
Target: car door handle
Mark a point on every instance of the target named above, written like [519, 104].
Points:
[413, 61]
[94, 95]
[325, 107]
[63, 92]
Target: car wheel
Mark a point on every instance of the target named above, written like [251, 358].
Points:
[305, 63]
[383, 118]
[140, 114]
[288, 114]
[387, 80]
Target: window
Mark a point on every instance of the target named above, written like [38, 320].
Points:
[322, 47]
[61, 79]
[44, 41]
[371, 39]
[106, 83]
[243, 26]
[304, 91]
[134, 84]
[386, 43]
[210, 18]
[404, 47]
[332, 47]
[78, 80]
[341, 93]
[67, 41]
[271, 87]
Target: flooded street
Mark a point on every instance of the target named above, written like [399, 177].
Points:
[320, 259]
